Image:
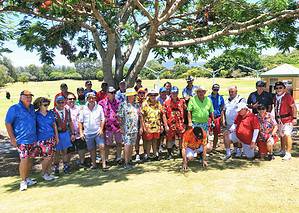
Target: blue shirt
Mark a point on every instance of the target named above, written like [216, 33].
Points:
[23, 122]
[218, 104]
[87, 91]
[44, 126]
[189, 92]
[121, 97]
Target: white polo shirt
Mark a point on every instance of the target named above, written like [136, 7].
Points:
[91, 119]
[230, 107]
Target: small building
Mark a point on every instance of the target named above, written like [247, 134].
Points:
[285, 73]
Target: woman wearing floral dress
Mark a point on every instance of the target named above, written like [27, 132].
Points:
[267, 135]
[128, 114]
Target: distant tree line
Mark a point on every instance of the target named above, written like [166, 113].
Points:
[228, 64]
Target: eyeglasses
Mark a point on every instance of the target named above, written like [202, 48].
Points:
[89, 98]
[71, 99]
[279, 87]
[142, 93]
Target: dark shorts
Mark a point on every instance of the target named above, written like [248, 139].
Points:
[77, 145]
[47, 147]
[217, 128]
[28, 150]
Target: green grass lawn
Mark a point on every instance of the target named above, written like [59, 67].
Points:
[51, 88]
[233, 186]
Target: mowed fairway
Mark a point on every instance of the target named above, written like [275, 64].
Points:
[232, 186]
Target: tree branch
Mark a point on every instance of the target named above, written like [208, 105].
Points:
[99, 17]
[171, 11]
[143, 10]
[244, 27]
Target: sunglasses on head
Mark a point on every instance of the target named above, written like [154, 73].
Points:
[279, 87]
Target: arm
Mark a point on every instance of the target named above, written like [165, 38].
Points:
[189, 119]
[11, 134]
[294, 110]
[254, 137]
[56, 133]
[80, 125]
[204, 156]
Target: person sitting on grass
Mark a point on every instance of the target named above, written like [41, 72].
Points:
[267, 136]
[47, 135]
[194, 143]
[91, 128]
[245, 130]
[65, 132]
[20, 124]
[129, 116]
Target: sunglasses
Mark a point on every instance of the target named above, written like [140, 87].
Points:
[279, 87]
[60, 102]
[71, 99]
[215, 89]
[261, 108]
[112, 93]
[45, 105]
[141, 93]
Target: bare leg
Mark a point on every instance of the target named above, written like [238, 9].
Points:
[118, 150]
[24, 168]
[93, 157]
[102, 153]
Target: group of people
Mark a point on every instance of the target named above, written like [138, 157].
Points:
[93, 121]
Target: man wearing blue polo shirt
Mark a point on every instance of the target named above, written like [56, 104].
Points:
[20, 123]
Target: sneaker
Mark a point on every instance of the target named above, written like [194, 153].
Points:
[30, 182]
[269, 157]
[145, 158]
[170, 157]
[128, 166]
[238, 155]
[47, 177]
[53, 177]
[226, 157]
[287, 156]
[137, 158]
[23, 185]
[280, 153]
[56, 169]
[66, 169]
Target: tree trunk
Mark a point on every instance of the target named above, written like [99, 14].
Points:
[107, 71]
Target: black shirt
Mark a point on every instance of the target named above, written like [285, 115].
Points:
[265, 98]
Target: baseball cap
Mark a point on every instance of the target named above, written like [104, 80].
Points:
[153, 92]
[80, 89]
[260, 84]
[59, 98]
[26, 92]
[63, 85]
[122, 81]
[216, 86]
[130, 92]
[198, 132]
[138, 79]
[111, 89]
[279, 83]
[189, 78]
[241, 106]
[162, 89]
[88, 83]
[174, 89]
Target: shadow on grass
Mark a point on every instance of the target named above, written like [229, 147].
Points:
[90, 178]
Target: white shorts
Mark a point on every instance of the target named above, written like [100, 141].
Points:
[285, 129]
[192, 153]
[249, 152]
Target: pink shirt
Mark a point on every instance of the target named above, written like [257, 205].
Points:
[75, 119]
[110, 111]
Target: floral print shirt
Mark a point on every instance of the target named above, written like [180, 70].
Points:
[110, 111]
[266, 125]
[129, 114]
[174, 112]
[152, 116]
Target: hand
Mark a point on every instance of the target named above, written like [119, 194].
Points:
[189, 125]
[140, 131]
[56, 141]
[82, 136]
[121, 131]
[100, 132]
[213, 125]
[255, 105]
[73, 138]
[294, 122]
[204, 163]
[252, 145]
[166, 128]
[13, 142]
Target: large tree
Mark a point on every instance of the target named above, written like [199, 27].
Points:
[111, 29]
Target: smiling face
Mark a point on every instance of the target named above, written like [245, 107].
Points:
[60, 104]
[26, 100]
[71, 100]
[279, 89]
[201, 93]
[243, 112]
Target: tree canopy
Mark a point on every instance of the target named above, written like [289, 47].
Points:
[112, 29]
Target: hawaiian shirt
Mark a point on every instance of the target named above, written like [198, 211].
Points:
[174, 112]
[110, 111]
[129, 113]
[266, 125]
[152, 114]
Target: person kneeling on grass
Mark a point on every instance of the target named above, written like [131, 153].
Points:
[129, 114]
[245, 130]
[47, 135]
[194, 143]
[92, 120]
